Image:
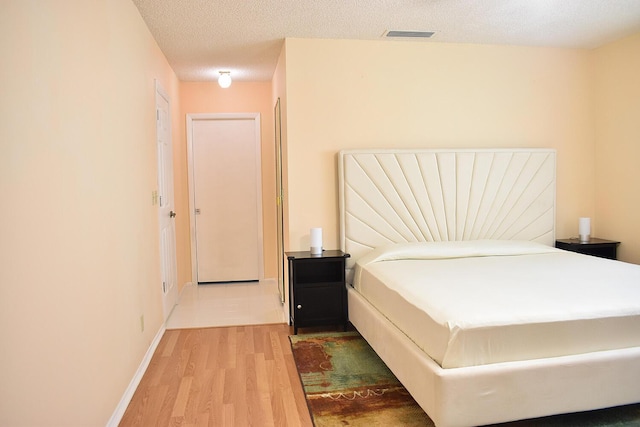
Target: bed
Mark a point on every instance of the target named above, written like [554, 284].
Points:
[454, 281]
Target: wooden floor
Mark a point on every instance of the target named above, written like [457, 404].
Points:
[225, 376]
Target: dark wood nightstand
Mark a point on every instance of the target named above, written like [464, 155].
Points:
[317, 291]
[597, 247]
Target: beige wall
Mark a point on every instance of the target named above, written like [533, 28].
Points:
[79, 234]
[357, 94]
[617, 103]
[209, 97]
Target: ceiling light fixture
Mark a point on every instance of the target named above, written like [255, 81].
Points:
[409, 34]
[225, 79]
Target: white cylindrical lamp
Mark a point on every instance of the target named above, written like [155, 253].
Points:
[316, 240]
[584, 229]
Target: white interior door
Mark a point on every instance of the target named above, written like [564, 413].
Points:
[225, 151]
[169, 273]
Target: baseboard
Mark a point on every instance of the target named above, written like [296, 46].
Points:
[117, 415]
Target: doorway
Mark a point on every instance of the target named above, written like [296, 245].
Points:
[224, 157]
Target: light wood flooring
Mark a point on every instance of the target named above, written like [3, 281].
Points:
[221, 376]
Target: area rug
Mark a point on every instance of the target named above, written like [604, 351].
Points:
[346, 384]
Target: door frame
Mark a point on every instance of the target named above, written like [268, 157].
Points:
[191, 118]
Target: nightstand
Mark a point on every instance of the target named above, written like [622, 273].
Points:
[597, 247]
[317, 291]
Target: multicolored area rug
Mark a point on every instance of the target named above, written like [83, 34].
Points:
[346, 384]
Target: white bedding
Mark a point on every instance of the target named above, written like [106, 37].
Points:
[480, 302]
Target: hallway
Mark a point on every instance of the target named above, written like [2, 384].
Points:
[227, 304]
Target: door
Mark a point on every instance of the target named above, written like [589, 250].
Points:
[226, 180]
[166, 209]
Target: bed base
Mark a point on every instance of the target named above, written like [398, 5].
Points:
[499, 392]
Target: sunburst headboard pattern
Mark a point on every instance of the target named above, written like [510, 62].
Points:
[395, 196]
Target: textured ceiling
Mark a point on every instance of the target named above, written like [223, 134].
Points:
[202, 37]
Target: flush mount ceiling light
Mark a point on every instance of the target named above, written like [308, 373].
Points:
[409, 34]
[225, 79]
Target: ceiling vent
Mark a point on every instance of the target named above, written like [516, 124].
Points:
[409, 34]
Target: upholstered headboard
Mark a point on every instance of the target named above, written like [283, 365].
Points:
[395, 196]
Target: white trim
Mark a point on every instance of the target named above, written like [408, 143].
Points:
[192, 225]
[160, 91]
[118, 413]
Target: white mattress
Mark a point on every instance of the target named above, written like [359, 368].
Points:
[480, 302]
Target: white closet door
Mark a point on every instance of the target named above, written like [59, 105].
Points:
[226, 160]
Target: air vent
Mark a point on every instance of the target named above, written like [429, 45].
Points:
[409, 34]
